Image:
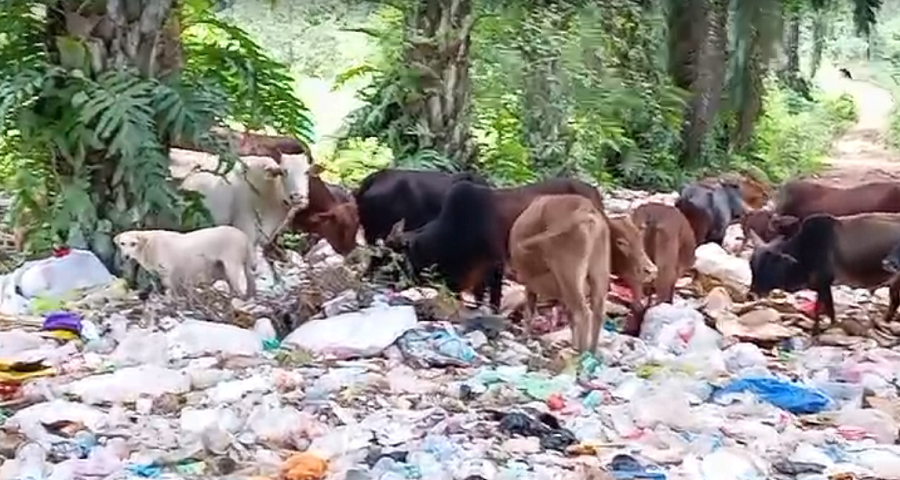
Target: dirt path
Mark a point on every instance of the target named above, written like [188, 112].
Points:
[862, 154]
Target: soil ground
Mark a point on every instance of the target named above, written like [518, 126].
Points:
[862, 154]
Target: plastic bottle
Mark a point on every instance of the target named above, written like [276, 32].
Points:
[32, 460]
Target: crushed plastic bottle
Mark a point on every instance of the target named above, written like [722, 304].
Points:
[32, 460]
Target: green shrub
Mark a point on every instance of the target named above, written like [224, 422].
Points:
[793, 136]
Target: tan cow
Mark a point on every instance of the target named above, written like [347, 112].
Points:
[560, 250]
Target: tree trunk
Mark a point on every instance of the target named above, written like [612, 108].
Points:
[763, 29]
[439, 52]
[698, 65]
[101, 36]
[820, 24]
[792, 45]
[546, 104]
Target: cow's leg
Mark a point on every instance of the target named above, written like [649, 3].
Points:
[570, 275]
[530, 312]
[599, 288]
[495, 284]
[664, 285]
[633, 325]
[824, 304]
[237, 280]
[894, 299]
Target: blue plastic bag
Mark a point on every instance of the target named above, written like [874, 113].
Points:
[789, 396]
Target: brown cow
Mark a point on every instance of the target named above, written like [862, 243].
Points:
[764, 225]
[328, 215]
[802, 198]
[629, 260]
[560, 250]
[670, 243]
[251, 144]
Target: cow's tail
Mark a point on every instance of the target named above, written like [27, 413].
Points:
[578, 218]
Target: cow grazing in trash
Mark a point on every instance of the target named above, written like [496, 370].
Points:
[560, 250]
[461, 244]
[711, 208]
[670, 244]
[828, 250]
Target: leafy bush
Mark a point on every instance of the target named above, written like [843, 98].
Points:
[794, 134]
[86, 147]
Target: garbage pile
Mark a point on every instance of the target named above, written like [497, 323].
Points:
[361, 385]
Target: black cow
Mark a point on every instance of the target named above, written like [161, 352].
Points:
[826, 250]
[710, 209]
[414, 196]
[462, 243]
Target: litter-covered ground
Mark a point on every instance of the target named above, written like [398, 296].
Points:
[397, 385]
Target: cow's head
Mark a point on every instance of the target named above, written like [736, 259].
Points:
[772, 268]
[295, 173]
[735, 199]
[339, 226]
[629, 259]
[755, 194]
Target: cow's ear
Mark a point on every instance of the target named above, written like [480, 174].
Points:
[396, 233]
[316, 169]
[784, 224]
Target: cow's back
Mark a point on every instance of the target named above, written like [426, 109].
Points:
[387, 196]
[512, 202]
[802, 198]
[552, 227]
[862, 242]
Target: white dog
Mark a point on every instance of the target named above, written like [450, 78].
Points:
[182, 260]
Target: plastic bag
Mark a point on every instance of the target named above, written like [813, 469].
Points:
[197, 338]
[678, 329]
[128, 384]
[714, 261]
[789, 396]
[743, 355]
[357, 334]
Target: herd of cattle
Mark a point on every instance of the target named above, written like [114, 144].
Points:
[552, 236]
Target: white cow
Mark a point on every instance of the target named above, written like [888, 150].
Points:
[256, 196]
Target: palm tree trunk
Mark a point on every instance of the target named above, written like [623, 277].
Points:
[439, 52]
[546, 104]
[697, 64]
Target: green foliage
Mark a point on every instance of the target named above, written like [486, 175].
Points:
[259, 88]
[793, 135]
[86, 151]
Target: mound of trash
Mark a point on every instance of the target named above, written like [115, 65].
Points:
[326, 377]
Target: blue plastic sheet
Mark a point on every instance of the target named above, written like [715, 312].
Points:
[789, 396]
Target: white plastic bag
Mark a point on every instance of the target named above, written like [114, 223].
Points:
[128, 384]
[714, 261]
[678, 329]
[197, 338]
[356, 334]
